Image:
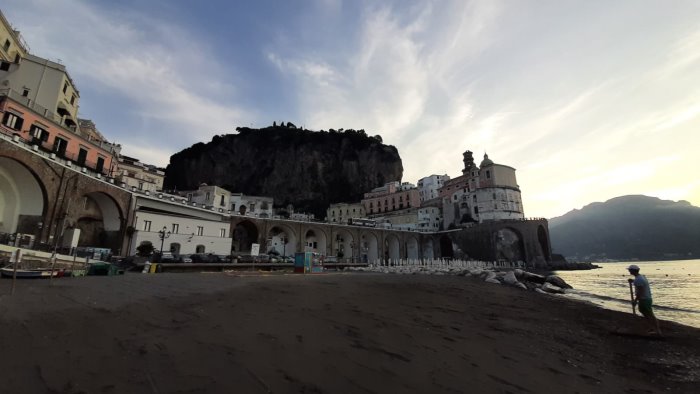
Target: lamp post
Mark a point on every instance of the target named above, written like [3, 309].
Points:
[352, 252]
[163, 234]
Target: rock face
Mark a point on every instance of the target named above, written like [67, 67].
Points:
[308, 169]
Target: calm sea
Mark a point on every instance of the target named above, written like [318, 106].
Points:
[675, 288]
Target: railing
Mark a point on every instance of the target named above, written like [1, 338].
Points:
[422, 264]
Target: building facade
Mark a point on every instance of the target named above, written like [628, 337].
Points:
[429, 187]
[393, 196]
[341, 212]
[139, 176]
[12, 46]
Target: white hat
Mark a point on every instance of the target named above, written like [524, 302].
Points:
[633, 268]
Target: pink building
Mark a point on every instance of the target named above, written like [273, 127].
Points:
[393, 196]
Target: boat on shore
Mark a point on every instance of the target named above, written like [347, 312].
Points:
[31, 273]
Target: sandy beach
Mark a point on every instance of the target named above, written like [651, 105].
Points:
[334, 333]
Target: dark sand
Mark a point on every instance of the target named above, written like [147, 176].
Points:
[335, 333]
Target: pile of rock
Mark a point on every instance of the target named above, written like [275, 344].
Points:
[523, 280]
[517, 278]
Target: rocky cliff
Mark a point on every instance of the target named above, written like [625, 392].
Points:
[308, 169]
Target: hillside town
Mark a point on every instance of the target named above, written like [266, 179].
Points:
[65, 185]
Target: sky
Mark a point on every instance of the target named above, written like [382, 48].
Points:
[588, 100]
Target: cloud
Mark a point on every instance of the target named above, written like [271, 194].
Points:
[165, 75]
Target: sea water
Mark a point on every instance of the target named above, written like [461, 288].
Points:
[675, 288]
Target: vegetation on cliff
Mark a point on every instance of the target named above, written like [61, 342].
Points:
[629, 227]
[305, 168]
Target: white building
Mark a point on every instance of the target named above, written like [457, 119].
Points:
[428, 187]
[179, 227]
[429, 219]
[341, 212]
[257, 206]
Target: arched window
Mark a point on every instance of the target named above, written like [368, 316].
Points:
[200, 249]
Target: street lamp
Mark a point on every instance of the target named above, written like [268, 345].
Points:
[163, 234]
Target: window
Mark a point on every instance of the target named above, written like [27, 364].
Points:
[206, 198]
[4, 66]
[176, 228]
[140, 185]
[222, 233]
[25, 92]
[189, 197]
[474, 198]
[6, 45]
[72, 100]
[222, 202]
[100, 164]
[12, 121]
[252, 207]
[82, 156]
[494, 196]
[38, 134]
[488, 174]
[146, 225]
[200, 230]
[59, 146]
[65, 86]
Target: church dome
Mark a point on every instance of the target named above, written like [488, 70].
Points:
[486, 161]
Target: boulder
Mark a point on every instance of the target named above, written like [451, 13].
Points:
[509, 278]
[550, 288]
[537, 290]
[557, 281]
[490, 275]
[520, 285]
[530, 277]
[496, 281]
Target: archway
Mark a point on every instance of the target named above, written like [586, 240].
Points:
[345, 247]
[544, 243]
[22, 199]
[509, 245]
[392, 247]
[99, 222]
[245, 234]
[315, 241]
[412, 248]
[369, 248]
[281, 241]
[175, 248]
[428, 252]
[446, 250]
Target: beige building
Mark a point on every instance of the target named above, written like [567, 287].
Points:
[45, 87]
[341, 212]
[12, 46]
[139, 176]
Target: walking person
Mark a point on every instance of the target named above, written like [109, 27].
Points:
[642, 298]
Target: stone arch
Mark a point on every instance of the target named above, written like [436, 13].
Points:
[282, 240]
[446, 248]
[392, 247]
[412, 250]
[315, 240]
[428, 250]
[544, 243]
[344, 245]
[23, 200]
[369, 247]
[245, 234]
[99, 219]
[509, 245]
